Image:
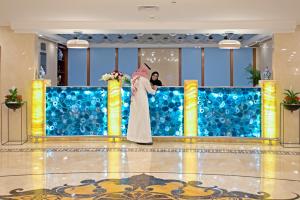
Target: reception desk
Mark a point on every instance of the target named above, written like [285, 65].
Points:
[248, 112]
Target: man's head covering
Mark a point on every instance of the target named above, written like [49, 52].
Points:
[143, 71]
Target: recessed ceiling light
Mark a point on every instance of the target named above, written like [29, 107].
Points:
[152, 17]
[148, 8]
[40, 35]
[283, 49]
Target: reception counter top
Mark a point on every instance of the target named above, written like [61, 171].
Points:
[221, 111]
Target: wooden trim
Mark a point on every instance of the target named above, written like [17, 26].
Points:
[254, 61]
[88, 67]
[117, 59]
[180, 66]
[202, 67]
[139, 57]
[231, 67]
[66, 66]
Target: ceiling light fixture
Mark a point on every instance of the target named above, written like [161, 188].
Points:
[229, 44]
[77, 43]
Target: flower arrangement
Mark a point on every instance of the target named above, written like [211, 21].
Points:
[115, 75]
[13, 100]
[291, 100]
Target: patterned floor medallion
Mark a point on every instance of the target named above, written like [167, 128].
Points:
[139, 187]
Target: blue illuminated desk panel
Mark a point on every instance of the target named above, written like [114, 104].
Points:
[82, 111]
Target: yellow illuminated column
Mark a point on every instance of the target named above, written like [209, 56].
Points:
[190, 108]
[268, 116]
[38, 107]
[114, 108]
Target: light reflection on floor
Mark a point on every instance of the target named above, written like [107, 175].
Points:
[270, 169]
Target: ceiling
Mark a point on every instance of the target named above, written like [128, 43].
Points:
[163, 39]
[168, 16]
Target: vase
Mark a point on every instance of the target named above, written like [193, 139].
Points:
[291, 107]
[14, 105]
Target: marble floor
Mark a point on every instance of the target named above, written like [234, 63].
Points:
[165, 170]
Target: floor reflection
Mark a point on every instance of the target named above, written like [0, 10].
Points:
[141, 172]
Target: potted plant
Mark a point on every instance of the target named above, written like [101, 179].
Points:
[291, 101]
[254, 75]
[13, 100]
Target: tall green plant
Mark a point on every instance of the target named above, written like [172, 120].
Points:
[254, 75]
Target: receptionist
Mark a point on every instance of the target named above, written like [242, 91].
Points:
[154, 79]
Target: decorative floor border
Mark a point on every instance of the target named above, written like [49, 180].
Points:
[150, 172]
[140, 186]
[170, 150]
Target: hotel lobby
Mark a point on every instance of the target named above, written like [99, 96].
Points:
[224, 115]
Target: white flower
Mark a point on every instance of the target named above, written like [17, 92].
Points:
[115, 76]
[106, 77]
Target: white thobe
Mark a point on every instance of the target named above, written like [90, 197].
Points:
[139, 128]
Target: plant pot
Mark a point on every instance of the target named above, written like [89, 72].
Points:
[291, 107]
[13, 105]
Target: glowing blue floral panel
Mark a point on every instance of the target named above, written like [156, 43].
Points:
[76, 111]
[166, 111]
[232, 112]
[126, 94]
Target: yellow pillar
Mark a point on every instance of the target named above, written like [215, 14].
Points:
[38, 108]
[269, 110]
[114, 108]
[190, 108]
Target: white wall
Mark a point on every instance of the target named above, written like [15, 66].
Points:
[18, 64]
[286, 67]
[264, 55]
